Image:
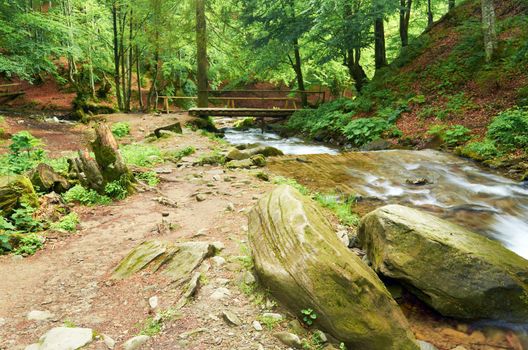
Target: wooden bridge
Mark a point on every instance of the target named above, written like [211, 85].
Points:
[282, 107]
[9, 92]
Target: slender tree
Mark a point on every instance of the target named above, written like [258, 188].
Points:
[405, 17]
[488, 26]
[380, 52]
[201, 45]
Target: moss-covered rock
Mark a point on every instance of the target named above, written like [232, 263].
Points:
[206, 124]
[236, 154]
[457, 272]
[176, 261]
[258, 160]
[299, 258]
[239, 164]
[15, 191]
[46, 179]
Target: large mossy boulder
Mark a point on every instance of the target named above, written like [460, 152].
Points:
[15, 191]
[299, 258]
[44, 178]
[266, 151]
[457, 272]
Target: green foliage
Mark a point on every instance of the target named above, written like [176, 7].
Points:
[269, 322]
[29, 244]
[364, 130]
[452, 136]
[150, 177]
[141, 155]
[23, 219]
[67, 223]
[308, 316]
[85, 196]
[121, 129]
[118, 189]
[510, 129]
[480, 150]
[60, 165]
[24, 154]
[342, 209]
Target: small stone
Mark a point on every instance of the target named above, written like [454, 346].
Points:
[231, 319]
[257, 326]
[289, 339]
[36, 315]
[17, 258]
[218, 260]
[230, 207]
[426, 346]
[460, 347]
[153, 302]
[165, 214]
[260, 347]
[272, 316]
[2, 321]
[109, 342]
[32, 347]
[220, 293]
[200, 197]
[248, 278]
[136, 342]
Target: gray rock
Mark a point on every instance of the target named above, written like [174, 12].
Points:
[218, 260]
[220, 293]
[231, 318]
[230, 207]
[200, 197]
[36, 315]
[109, 342]
[64, 338]
[289, 339]
[296, 327]
[426, 346]
[257, 326]
[153, 302]
[136, 342]
[343, 237]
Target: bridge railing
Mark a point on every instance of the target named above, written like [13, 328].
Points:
[231, 101]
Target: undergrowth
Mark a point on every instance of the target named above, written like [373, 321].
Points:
[79, 194]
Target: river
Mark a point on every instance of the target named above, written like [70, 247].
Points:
[448, 186]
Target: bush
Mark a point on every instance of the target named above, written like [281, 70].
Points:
[452, 136]
[29, 244]
[121, 129]
[364, 130]
[510, 129]
[480, 150]
[177, 155]
[85, 196]
[24, 154]
[118, 189]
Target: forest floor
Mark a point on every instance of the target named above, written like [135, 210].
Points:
[70, 277]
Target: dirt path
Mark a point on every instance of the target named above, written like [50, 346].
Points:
[70, 277]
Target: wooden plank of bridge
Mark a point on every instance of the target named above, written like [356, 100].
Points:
[6, 95]
[242, 112]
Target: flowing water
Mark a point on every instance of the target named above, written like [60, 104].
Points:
[293, 145]
[447, 186]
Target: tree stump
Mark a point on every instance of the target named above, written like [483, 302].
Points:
[108, 165]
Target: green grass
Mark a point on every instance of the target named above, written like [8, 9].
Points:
[121, 130]
[141, 155]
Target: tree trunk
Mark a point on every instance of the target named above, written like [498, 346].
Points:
[117, 77]
[488, 26]
[355, 69]
[201, 42]
[430, 18]
[451, 4]
[297, 67]
[405, 17]
[138, 76]
[380, 54]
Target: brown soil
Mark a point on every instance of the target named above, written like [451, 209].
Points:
[70, 276]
